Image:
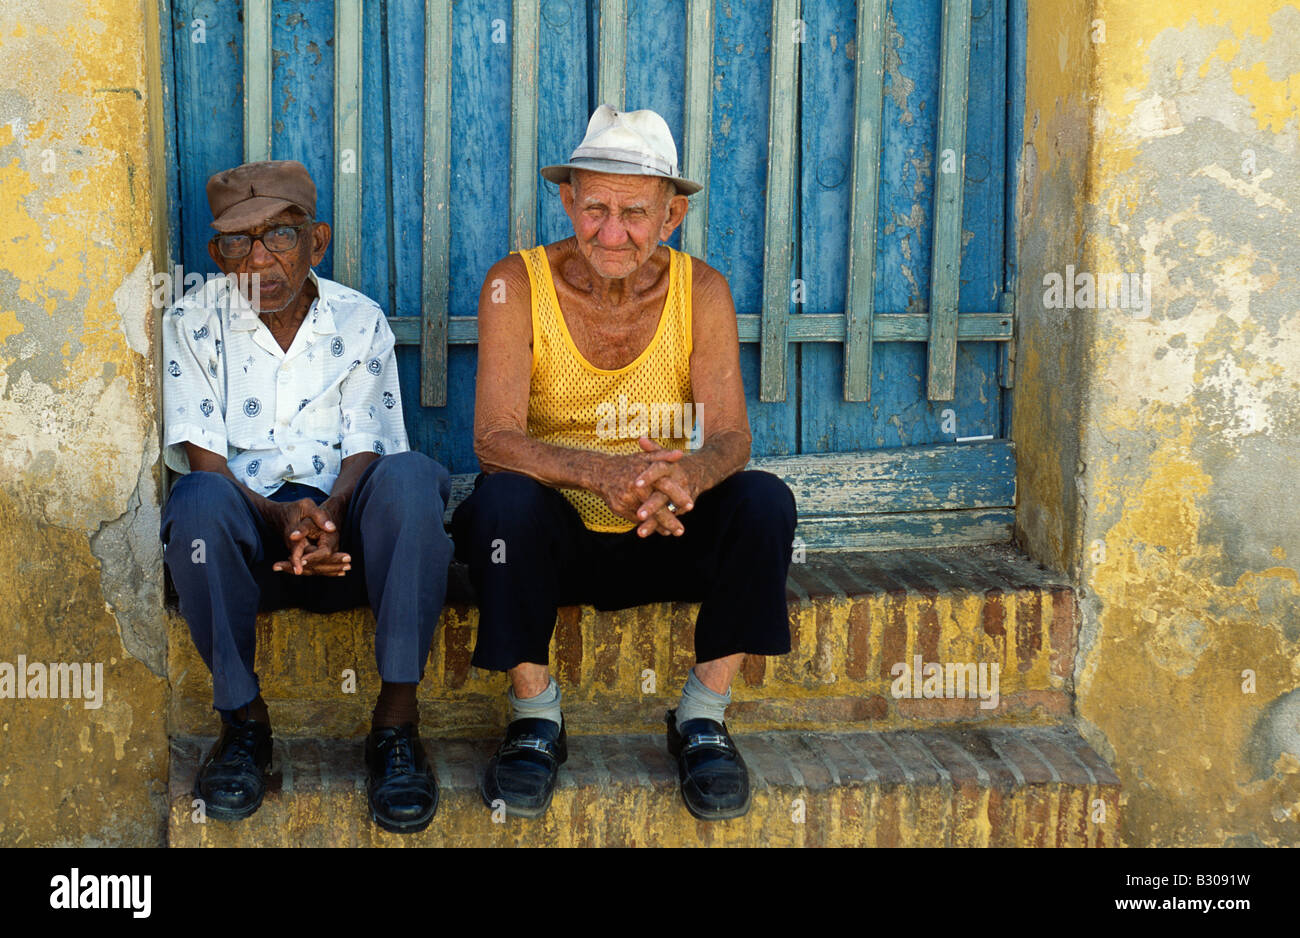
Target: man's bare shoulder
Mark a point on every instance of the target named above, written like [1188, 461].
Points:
[506, 285]
[710, 291]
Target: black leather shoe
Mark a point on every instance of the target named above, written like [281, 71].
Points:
[400, 782]
[522, 771]
[715, 780]
[232, 778]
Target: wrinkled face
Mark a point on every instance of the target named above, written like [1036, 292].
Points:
[620, 220]
[280, 275]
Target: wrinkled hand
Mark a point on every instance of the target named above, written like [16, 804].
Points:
[662, 484]
[617, 481]
[312, 536]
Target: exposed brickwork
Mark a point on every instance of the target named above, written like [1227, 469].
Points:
[753, 670]
[994, 614]
[1029, 631]
[1045, 705]
[859, 641]
[853, 618]
[893, 641]
[1064, 629]
[456, 653]
[567, 656]
[931, 788]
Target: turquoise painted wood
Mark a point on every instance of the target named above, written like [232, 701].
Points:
[435, 271]
[302, 99]
[347, 141]
[656, 73]
[257, 80]
[950, 182]
[784, 39]
[208, 83]
[699, 111]
[899, 413]
[611, 82]
[460, 102]
[524, 93]
[736, 183]
[868, 102]
[909, 497]
[565, 64]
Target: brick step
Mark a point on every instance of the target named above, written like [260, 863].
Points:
[853, 617]
[1029, 786]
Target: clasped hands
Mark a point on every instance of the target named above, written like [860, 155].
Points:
[312, 536]
[651, 488]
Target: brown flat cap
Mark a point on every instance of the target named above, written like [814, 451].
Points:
[254, 193]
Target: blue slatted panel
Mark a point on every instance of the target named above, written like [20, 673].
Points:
[524, 92]
[302, 98]
[780, 223]
[736, 207]
[210, 114]
[611, 81]
[347, 141]
[482, 33]
[898, 413]
[697, 124]
[563, 66]
[257, 80]
[522, 83]
[656, 72]
[436, 199]
[864, 178]
[950, 181]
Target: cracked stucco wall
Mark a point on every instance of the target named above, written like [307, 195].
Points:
[1160, 448]
[80, 563]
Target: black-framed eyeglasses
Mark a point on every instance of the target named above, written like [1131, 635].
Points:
[277, 240]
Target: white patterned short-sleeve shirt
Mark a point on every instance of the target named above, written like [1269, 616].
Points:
[279, 416]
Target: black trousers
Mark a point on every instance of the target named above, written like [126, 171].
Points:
[528, 552]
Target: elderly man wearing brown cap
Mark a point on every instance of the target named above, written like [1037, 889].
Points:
[597, 485]
[281, 406]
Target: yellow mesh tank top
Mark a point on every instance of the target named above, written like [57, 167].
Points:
[575, 404]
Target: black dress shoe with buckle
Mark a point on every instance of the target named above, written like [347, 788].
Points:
[400, 783]
[715, 780]
[522, 772]
[232, 778]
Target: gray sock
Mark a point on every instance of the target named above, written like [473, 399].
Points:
[700, 702]
[545, 706]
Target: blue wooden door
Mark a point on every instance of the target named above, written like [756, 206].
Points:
[816, 128]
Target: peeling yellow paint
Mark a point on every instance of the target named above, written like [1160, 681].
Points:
[74, 432]
[1273, 101]
[1171, 620]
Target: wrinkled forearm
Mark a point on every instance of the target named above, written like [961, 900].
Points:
[721, 456]
[559, 466]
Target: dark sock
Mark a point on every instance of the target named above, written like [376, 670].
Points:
[255, 709]
[396, 705]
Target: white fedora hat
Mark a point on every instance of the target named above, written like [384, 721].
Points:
[634, 143]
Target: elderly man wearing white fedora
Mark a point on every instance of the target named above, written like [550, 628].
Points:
[610, 425]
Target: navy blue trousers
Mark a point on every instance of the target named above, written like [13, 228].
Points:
[393, 532]
[528, 552]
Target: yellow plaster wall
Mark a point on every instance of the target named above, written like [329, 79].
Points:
[1158, 456]
[78, 449]
[1179, 514]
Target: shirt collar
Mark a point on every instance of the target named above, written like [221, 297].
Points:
[243, 318]
[321, 314]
